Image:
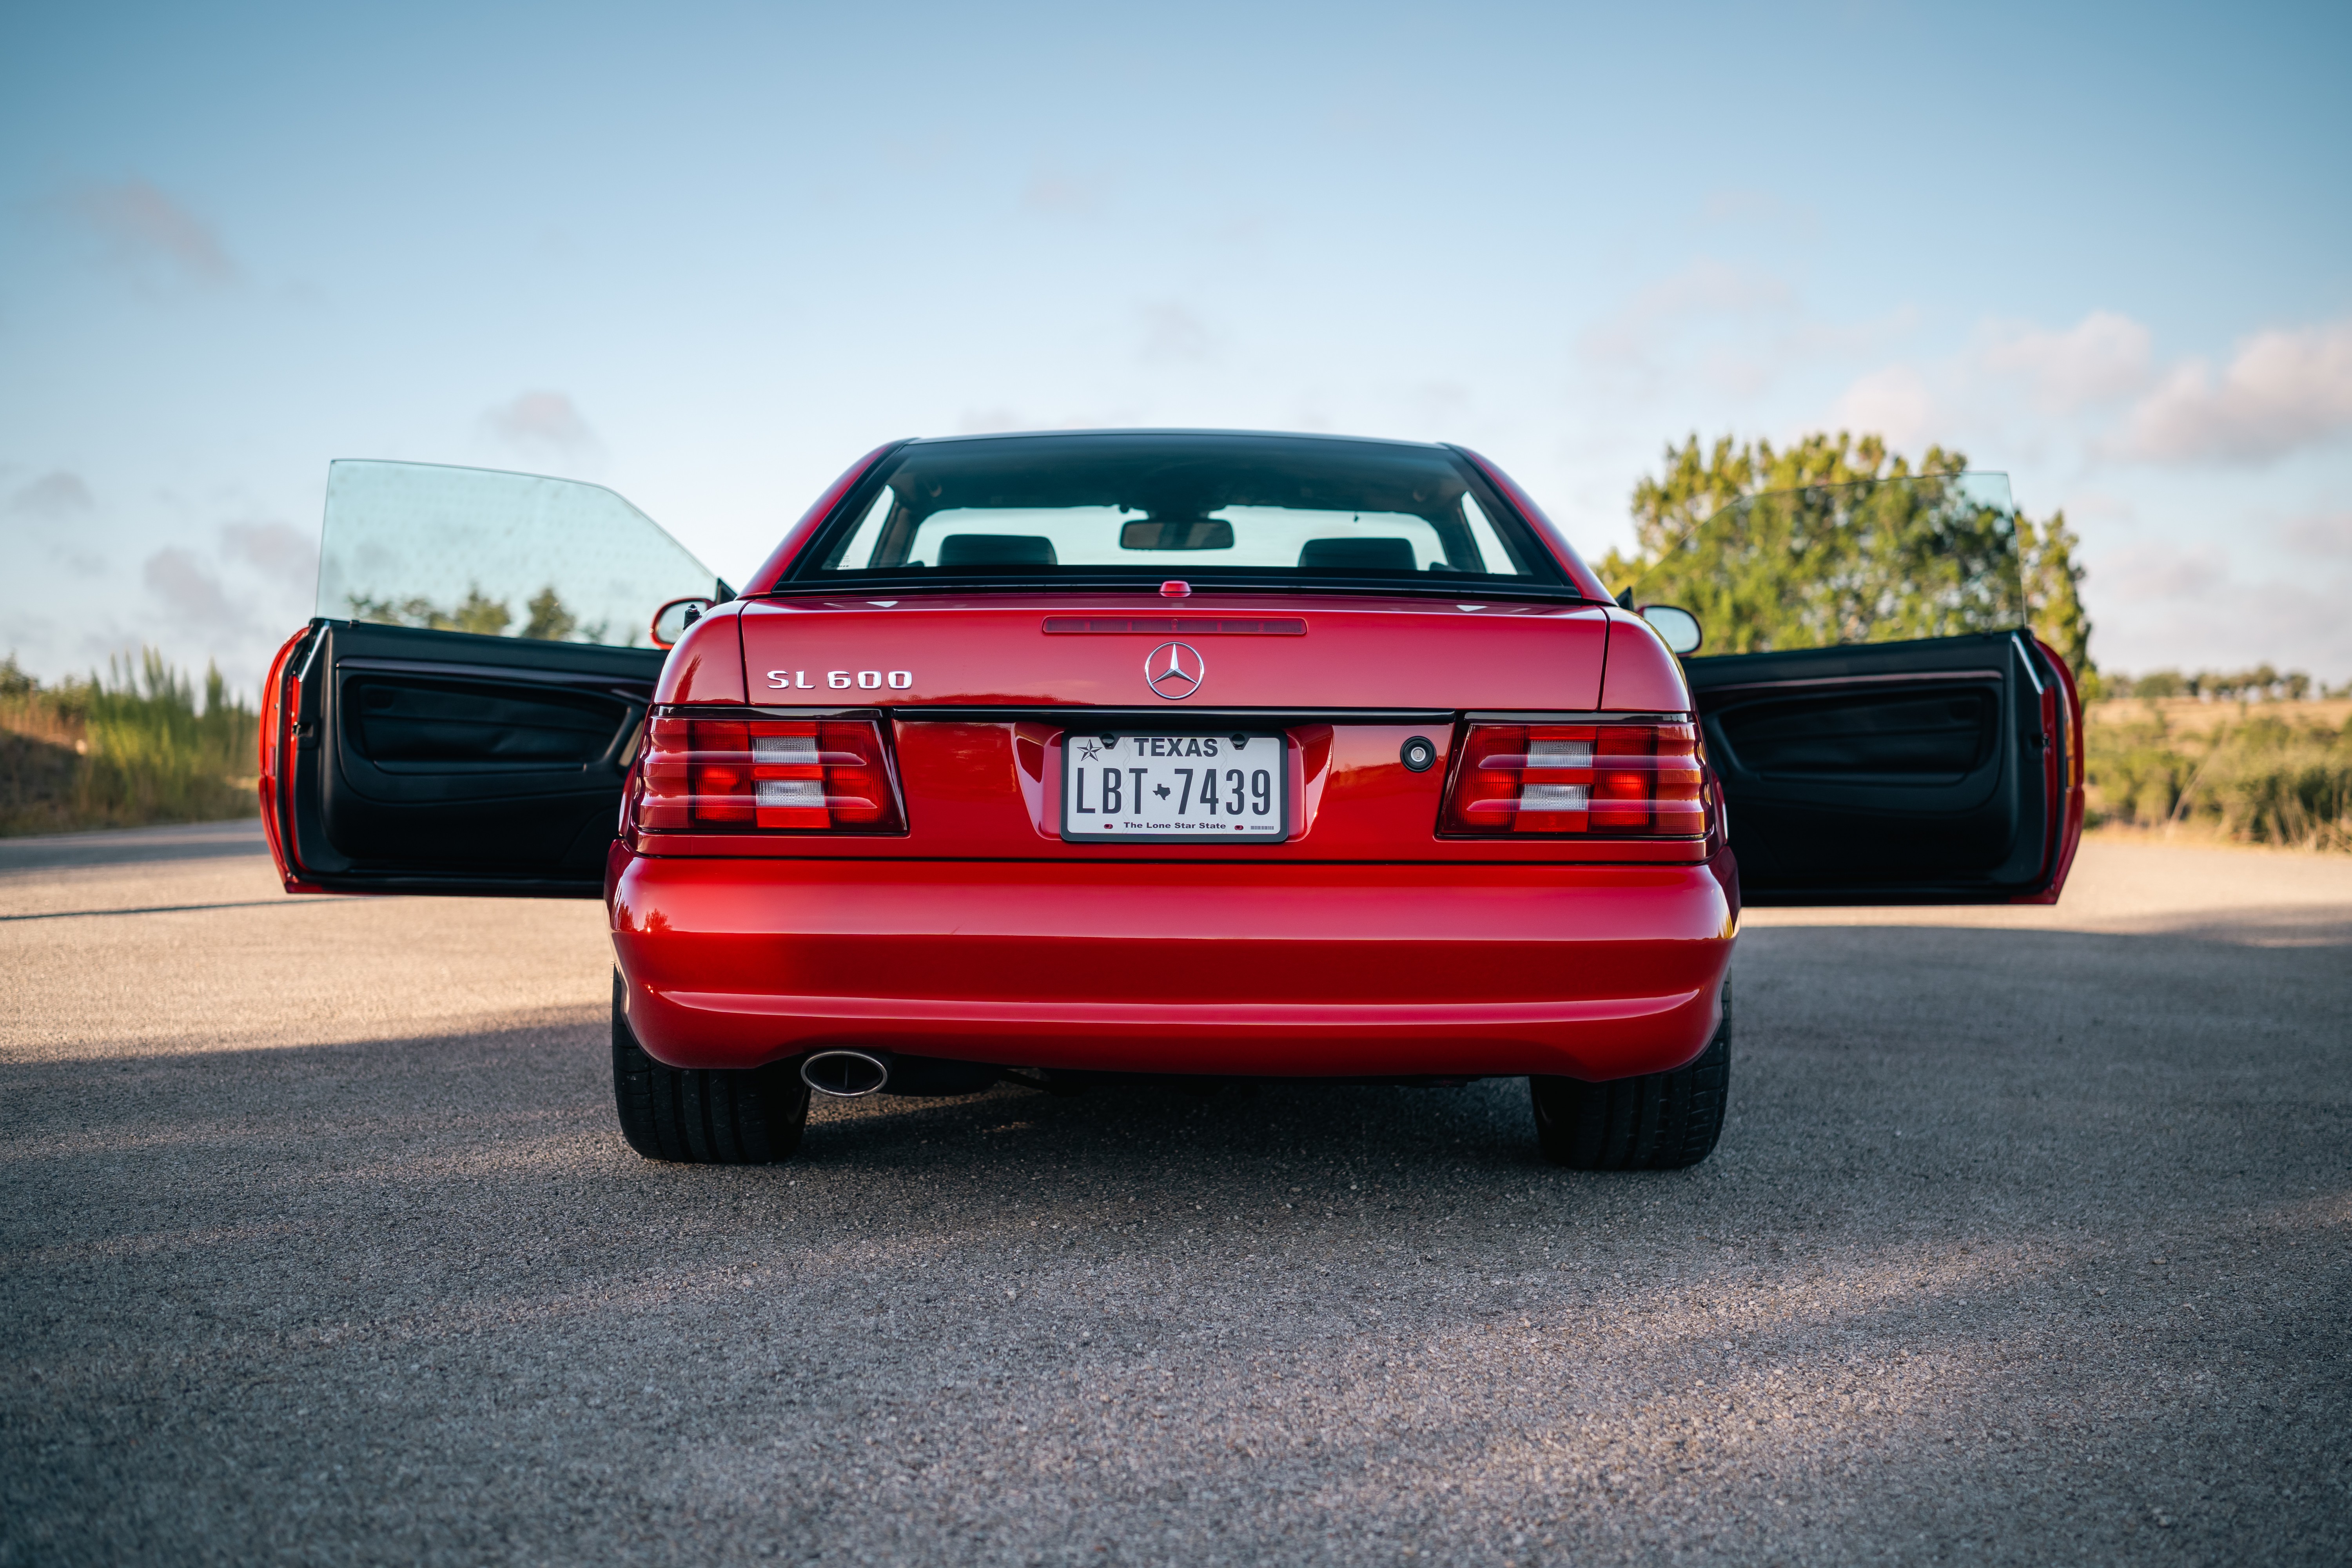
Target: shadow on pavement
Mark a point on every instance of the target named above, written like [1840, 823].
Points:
[2027, 1242]
[131, 845]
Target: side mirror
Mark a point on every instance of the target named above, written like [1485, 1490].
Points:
[672, 619]
[1679, 627]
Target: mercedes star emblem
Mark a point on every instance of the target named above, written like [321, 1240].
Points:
[1174, 670]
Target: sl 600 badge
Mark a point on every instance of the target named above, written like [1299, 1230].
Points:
[843, 679]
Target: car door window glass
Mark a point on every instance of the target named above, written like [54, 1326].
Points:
[1890, 560]
[499, 554]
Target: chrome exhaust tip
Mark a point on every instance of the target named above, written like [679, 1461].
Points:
[846, 1074]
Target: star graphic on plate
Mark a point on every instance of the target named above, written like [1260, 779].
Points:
[1088, 751]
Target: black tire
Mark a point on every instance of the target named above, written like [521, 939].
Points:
[703, 1116]
[1660, 1121]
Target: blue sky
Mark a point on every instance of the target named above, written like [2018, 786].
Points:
[709, 254]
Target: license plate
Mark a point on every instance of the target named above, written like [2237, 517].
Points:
[1175, 787]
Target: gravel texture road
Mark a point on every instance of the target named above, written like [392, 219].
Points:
[2027, 1240]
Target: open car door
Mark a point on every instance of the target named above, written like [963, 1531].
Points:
[1885, 728]
[460, 715]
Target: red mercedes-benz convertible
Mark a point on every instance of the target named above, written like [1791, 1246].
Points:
[1042, 757]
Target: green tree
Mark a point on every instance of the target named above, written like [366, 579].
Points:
[475, 612]
[550, 621]
[2053, 583]
[14, 684]
[549, 618]
[484, 616]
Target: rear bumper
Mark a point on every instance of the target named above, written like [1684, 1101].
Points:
[1591, 971]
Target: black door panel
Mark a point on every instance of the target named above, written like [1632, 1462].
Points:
[1882, 773]
[443, 762]
[474, 731]
[401, 721]
[1902, 733]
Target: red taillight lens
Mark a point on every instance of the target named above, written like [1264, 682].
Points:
[809, 775]
[1599, 779]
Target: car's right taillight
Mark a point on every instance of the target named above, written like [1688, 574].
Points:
[758, 775]
[1595, 779]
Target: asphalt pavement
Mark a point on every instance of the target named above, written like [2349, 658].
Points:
[2029, 1239]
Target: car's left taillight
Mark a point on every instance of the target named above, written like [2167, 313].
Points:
[1637, 779]
[701, 775]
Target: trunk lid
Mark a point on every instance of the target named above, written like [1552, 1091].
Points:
[1279, 653]
[978, 695]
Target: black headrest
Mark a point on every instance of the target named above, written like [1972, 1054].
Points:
[996, 549]
[1357, 555]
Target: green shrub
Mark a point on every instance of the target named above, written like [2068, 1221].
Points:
[2261, 779]
[131, 748]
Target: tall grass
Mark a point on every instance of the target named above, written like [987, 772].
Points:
[130, 747]
[2260, 778]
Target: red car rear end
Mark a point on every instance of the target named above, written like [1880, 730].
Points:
[1364, 941]
[1146, 753]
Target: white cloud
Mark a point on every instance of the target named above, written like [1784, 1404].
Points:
[190, 593]
[2087, 505]
[1719, 337]
[2282, 389]
[286, 553]
[2157, 570]
[544, 425]
[2100, 359]
[1173, 332]
[922, 154]
[1894, 401]
[1760, 209]
[57, 512]
[56, 497]
[1631, 335]
[2160, 605]
[2324, 534]
[1438, 404]
[148, 231]
[1063, 192]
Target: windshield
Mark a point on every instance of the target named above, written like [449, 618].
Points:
[1887, 559]
[474, 550]
[1147, 505]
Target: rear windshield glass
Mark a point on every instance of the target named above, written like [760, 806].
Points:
[1147, 506]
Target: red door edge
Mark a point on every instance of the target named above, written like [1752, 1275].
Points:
[2062, 725]
[281, 716]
